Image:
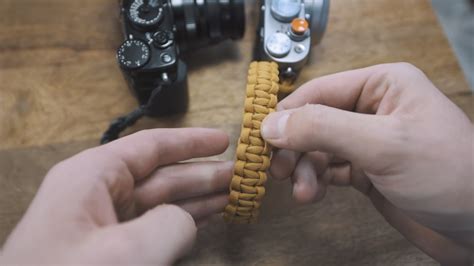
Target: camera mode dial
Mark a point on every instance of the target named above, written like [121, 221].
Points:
[133, 54]
[145, 13]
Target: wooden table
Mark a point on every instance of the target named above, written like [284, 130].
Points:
[60, 87]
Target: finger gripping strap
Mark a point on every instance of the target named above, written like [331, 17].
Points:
[247, 185]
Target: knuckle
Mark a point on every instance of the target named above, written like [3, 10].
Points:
[404, 66]
[399, 70]
[103, 164]
[407, 66]
[395, 76]
[408, 70]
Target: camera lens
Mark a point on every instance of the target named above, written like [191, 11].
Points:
[200, 22]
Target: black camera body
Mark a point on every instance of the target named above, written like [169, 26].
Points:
[157, 32]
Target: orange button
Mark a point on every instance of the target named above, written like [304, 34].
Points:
[299, 26]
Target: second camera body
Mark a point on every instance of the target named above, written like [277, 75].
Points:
[157, 32]
[287, 31]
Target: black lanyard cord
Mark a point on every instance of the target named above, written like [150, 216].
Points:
[121, 123]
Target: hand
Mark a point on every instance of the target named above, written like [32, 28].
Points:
[388, 132]
[124, 203]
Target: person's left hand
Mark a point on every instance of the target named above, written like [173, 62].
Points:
[127, 202]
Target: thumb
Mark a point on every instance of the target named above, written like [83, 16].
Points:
[160, 236]
[360, 138]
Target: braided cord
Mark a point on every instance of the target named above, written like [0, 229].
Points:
[247, 185]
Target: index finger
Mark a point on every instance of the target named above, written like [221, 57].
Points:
[146, 150]
[358, 90]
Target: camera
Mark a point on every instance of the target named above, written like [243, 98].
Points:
[158, 32]
[287, 31]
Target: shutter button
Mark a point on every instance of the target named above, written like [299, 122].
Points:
[299, 26]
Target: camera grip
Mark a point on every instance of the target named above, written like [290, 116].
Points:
[170, 98]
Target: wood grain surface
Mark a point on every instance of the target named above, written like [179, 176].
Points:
[60, 86]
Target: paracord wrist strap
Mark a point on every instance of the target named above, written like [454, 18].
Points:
[247, 185]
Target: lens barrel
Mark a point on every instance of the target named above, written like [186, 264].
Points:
[201, 22]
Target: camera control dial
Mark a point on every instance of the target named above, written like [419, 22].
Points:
[285, 10]
[163, 38]
[278, 44]
[133, 54]
[145, 13]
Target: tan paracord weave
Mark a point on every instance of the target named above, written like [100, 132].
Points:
[246, 188]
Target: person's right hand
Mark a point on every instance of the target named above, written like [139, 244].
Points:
[390, 133]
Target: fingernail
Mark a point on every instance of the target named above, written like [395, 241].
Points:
[274, 125]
